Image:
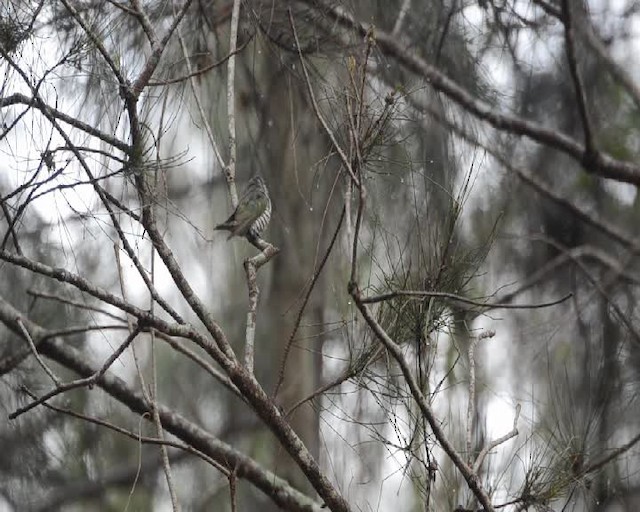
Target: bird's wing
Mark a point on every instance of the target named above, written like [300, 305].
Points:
[249, 209]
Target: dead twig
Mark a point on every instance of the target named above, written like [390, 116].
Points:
[87, 381]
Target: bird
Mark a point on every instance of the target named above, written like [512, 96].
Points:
[253, 212]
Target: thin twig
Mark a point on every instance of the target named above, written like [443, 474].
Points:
[404, 9]
[531, 179]
[41, 106]
[157, 47]
[62, 300]
[203, 117]
[118, 204]
[10, 223]
[459, 298]
[348, 194]
[316, 276]
[600, 288]
[581, 252]
[362, 195]
[569, 33]
[395, 350]
[97, 42]
[471, 404]
[316, 108]
[594, 466]
[471, 407]
[33, 348]
[139, 447]
[193, 74]
[166, 466]
[87, 381]
[144, 317]
[112, 216]
[588, 33]
[202, 362]
[230, 169]
[276, 488]
[135, 436]
[353, 371]
[497, 442]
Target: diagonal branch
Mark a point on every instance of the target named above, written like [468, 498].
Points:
[529, 178]
[497, 442]
[144, 317]
[191, 434]
[587, 32]
[40, 105]
[230, 169]
[590, 150]
[157, 45]
[460, 298]
[305, 301]
[78, 383]
[316, 108]
[394, 349]
[390, 46]
[125, 242]
[27, 336]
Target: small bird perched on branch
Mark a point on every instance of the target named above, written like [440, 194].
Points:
[253, 212]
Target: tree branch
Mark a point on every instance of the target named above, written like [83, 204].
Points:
[38, 104]
[605, 166]
[274, 487]
[396, 352]
[590, 150]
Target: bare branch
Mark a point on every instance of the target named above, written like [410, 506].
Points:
[87, 381]
[276, 488]
[588, 33]
[157, 46]
[605, 165]
[596, 465]
[201, 71]
[316, 108]
[546, 190]
[97, 42]
[37, 103]
[11, 224]
[467, 472]
[77, 304]
[590, 150]
[143, 317]
[34, 350]
[460, 298]
[305, 301]
[251, 266]
[497, 442]
[230, 169]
